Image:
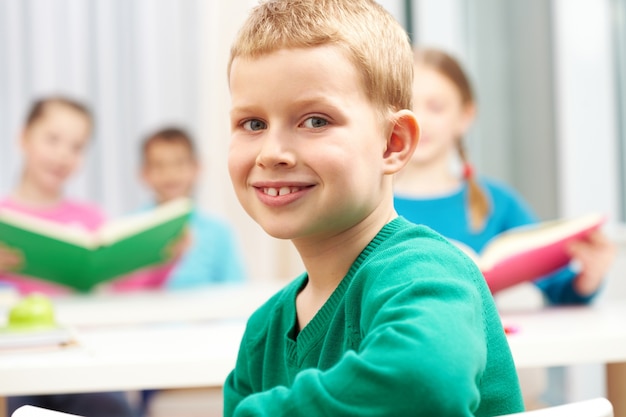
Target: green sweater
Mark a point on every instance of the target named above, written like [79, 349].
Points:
[411, 330]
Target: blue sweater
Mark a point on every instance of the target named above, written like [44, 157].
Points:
[448, 214]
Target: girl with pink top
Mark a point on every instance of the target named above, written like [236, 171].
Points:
[53, 142]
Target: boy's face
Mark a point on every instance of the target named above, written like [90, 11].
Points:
[307, 145]
[54, 146]
[170, 170]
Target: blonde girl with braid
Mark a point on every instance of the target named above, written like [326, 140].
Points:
[440, 189]
[464, 206]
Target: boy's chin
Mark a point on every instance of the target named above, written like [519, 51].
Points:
[279, 231]
[278, 234]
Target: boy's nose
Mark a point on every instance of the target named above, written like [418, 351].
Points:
[276, 150]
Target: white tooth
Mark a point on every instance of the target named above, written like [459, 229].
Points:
[271, 191]
[294, 189]
[284, 191]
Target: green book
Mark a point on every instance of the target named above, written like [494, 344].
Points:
[80, 259]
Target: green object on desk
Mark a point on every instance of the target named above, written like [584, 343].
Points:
[81, 260]
[33, 312]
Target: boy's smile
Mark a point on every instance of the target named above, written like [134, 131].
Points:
[278, 194]
[306, 156]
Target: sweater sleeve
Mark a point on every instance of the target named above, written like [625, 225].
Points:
[422, 354]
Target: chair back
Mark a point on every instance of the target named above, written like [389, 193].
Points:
[32, 411]
[597, 407]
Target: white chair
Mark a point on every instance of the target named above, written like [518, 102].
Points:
[597, 407]
[32, 411]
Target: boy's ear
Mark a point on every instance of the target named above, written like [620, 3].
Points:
[401, 142]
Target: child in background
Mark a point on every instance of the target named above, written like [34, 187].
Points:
[473, 209]
[170, 167]
[53, 143]
[467, 208]
[389, 319]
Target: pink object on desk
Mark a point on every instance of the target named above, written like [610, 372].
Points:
[508, 330]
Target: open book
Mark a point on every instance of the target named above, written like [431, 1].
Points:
[80, 259]
[529, 252]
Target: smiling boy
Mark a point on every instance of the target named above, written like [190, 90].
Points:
[389, 318]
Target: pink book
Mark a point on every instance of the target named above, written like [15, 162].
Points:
[529, 252]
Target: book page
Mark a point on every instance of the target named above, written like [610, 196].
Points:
[135, 223]
[75, 235]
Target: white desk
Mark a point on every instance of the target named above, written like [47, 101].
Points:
[574, 335]
[568, 335]
[134, 357]
[138, 340]
[120, 354]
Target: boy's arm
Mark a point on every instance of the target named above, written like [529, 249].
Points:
[423, 355]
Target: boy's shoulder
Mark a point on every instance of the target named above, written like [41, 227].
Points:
[414, 238]
[419, 251]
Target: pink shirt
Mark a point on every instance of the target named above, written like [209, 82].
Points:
[66, 212]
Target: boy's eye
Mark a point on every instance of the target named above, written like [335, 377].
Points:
[254, 125]
[315, 122]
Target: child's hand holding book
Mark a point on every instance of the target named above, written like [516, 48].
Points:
[595, 255]
[177, 248]
[10, 259]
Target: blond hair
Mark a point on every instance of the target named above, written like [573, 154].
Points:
[370, 37]
[446, 65]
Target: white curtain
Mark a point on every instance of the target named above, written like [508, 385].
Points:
[134, 63]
